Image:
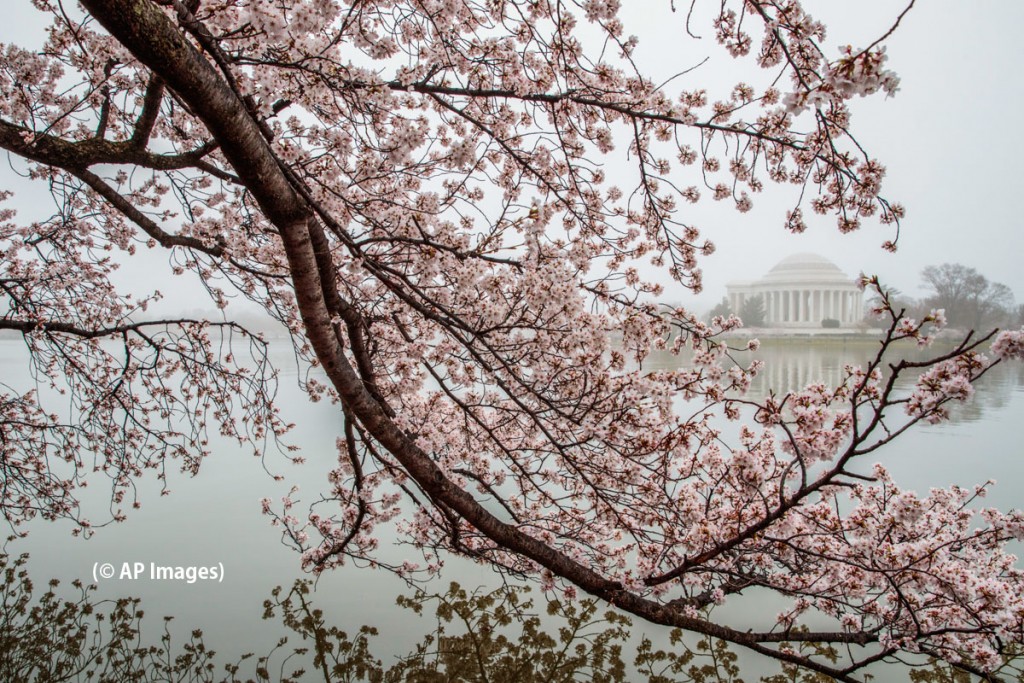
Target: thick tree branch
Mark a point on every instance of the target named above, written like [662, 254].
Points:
[29, 326]
[54, 151]
[149, 114]
[150, 36]
[147, 224]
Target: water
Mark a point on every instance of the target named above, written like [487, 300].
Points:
[215, 519]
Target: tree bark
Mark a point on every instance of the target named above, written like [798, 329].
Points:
[150, 35]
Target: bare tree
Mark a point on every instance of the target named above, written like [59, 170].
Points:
[969, 298]
[414, 191]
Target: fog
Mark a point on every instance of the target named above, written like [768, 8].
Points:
[947, 139]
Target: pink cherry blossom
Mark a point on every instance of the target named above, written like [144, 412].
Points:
[420, 195]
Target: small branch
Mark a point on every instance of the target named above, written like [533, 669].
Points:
[147, 224]
[150, 111]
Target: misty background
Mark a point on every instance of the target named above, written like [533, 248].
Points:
[948, 139]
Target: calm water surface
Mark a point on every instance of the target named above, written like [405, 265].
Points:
[215, 517]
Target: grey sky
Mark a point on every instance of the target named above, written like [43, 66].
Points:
[949, 140]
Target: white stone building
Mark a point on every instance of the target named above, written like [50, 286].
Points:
[800, 292]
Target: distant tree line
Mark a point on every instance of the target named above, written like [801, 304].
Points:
[970, 300]
[752, 312]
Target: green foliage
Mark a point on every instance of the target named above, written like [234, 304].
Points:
[51, 639]
[708, 661]
[794, 674]
[942, 672]
[336, 657]
[501, 640]
[753, 312]
[497, 637]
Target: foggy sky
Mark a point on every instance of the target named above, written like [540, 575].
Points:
[950, 140]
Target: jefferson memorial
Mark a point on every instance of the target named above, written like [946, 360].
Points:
[800, 292]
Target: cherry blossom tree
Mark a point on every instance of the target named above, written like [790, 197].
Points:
[416, 191]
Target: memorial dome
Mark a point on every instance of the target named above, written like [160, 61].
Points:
[806, 268]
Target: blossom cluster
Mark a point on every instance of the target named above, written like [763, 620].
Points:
[420, 194]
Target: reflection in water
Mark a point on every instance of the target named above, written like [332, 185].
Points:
[791, 365]
[216, 518]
